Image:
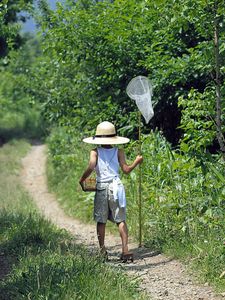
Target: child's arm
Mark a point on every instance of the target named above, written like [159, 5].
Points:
[91, 166]
[124, 166]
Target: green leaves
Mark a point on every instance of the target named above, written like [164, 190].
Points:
[197, 121]
[96, 48]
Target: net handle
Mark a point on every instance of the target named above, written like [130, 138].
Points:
[140, 183]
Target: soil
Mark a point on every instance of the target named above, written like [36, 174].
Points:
[160, 277]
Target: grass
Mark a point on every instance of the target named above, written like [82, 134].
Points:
[45, 262]
[182, 211]
[204, 259]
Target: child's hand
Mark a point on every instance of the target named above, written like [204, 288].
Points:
[82, 185]
[139, 159]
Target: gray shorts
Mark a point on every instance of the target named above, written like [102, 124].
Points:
[105, 206]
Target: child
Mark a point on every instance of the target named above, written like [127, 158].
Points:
[110, 201]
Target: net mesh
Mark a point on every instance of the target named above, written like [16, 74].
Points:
[140, 90]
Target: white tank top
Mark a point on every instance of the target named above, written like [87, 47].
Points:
[107, 167]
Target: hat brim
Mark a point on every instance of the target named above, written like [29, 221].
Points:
[116, 140]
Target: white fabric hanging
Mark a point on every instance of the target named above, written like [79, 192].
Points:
[119, 191]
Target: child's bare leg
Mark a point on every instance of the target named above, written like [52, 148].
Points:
[124, 236]
[101, 235]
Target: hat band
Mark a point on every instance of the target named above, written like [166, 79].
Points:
[104, 136]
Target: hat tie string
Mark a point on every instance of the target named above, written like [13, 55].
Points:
[104, 136]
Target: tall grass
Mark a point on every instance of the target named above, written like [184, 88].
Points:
[184, 206]
[43, 261]
[183, 199]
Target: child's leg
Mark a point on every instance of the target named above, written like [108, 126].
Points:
[101, 235]
[124, 236]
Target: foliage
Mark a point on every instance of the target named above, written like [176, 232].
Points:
[19, 114]
[97, 47]
[10, 16]
[93, 76]
[197, 121]
[181, 55]
[92, 49]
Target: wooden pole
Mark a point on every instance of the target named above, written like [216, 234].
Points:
[139, 185]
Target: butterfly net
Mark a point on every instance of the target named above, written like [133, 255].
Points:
[140, 90]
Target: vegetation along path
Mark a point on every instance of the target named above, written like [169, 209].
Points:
[160, 277]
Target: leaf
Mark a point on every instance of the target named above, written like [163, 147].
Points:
[218, 174]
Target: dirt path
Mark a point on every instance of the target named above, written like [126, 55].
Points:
[161, 277]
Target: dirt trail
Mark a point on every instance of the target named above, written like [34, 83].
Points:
[161, 277]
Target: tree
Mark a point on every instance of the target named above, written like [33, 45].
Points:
[91, 49]
[96, 49]
[9, 19]
[182, 56]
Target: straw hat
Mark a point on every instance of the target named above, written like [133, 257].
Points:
[106, 135]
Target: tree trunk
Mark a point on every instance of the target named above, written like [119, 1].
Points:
[220, 136]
